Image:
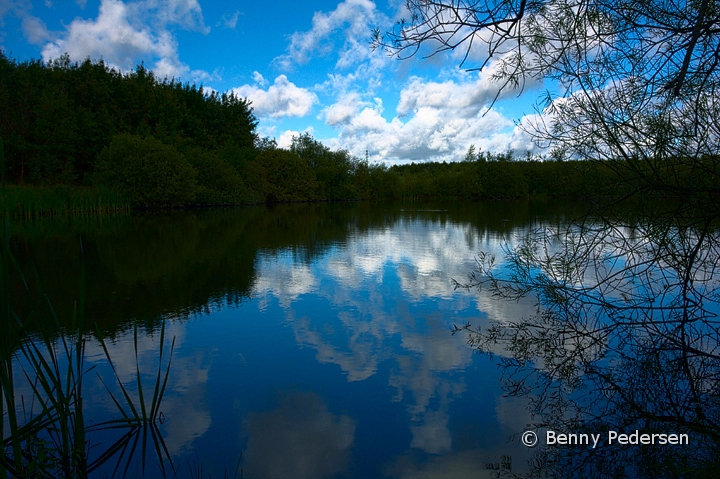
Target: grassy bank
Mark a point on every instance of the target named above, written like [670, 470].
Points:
[39, 201]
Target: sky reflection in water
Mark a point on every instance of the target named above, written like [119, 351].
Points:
[342, 365]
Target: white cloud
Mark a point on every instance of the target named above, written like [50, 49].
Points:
[355, 18]
[111, 36]
[282, 99]
[342, 111]
[471, 95]
[286, 137]
[435, 120]
[124, 34]
[439, 134]
[259, 79]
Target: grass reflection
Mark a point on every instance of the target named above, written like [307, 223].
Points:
[44, 430]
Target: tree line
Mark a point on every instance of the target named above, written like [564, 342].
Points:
[163, 143]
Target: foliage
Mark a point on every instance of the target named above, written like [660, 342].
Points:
[218, 183]
[284, 177]
[333, 169]
[56, 118]
[146, 171]
[101, 109]
[105, 114]
[499, 176]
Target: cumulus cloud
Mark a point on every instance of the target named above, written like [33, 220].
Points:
[259, 79]
[434, 120]
[124, 34]
[467, 96]
[343, 110]
[282, 99]
[430, 134]
[111, 36]
[355, 18]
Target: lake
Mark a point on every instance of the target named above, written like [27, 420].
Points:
[310, 341]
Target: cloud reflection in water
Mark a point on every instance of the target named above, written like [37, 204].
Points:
[300, 438]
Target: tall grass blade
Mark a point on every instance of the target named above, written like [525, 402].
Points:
[159, 391]
[135, 416]
[153, 404]
[120, 446]
[136, 435]
[139, 381]
[165, 380]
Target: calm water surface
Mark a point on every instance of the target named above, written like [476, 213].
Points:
[311, 341]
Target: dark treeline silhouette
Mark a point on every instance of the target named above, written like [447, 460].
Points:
[81, 124]
[162, 143]
[486, 176]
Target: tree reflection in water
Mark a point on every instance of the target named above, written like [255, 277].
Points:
[625, 338]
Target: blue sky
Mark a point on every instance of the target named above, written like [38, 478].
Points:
[306, 66]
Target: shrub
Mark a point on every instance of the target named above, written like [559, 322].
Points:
[284, 177]
[147, 172]
[218, 182]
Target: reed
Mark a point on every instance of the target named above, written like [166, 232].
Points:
[46, 434]
[45, 201]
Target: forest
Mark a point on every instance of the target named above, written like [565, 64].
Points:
[86, 133]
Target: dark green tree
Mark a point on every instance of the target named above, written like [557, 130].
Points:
[58, 117]
[281, 176]
[148, 173]
[333, 169]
